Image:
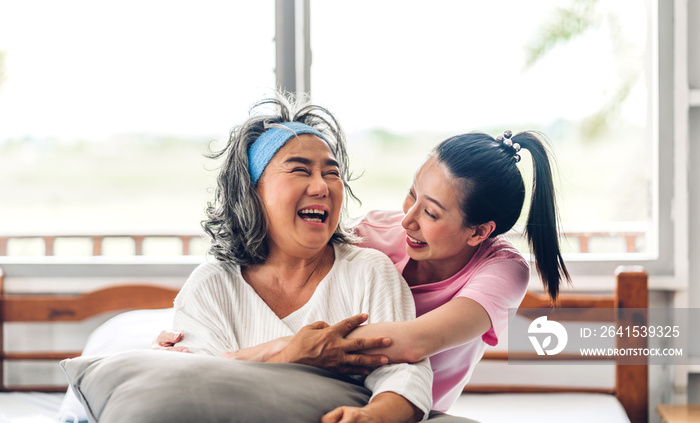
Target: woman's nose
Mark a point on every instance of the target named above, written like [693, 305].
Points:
[317, 186]
[409, 220]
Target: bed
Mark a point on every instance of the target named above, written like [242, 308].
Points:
[599, 390]
[130, 315]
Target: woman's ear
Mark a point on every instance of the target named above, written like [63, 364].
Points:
[481, 232]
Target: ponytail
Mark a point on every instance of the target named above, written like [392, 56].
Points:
[542, 222]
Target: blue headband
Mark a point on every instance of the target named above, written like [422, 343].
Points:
[265, 147]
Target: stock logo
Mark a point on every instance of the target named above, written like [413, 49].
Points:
[541, 327]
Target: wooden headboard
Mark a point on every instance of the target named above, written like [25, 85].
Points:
[631, 381]
[23, 308]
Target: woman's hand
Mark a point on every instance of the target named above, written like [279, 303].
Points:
[324, 346]
[387, 407]
[166, 341]
[349, 415]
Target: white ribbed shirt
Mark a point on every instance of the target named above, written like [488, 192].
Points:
[217, 311]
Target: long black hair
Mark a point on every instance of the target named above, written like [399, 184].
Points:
[494, 191]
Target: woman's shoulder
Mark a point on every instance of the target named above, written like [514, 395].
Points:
[498, 260]
[359, 256]
[211, 269]
[380, 219]
[377, 224]
[499, 248]
[382, 230]
[204, 275]
[368, 267]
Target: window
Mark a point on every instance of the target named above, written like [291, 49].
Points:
[107, 109]
[409, 74]
[110, 111]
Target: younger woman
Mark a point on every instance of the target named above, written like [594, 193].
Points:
[447, 244]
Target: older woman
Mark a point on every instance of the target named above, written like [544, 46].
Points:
[284, 264]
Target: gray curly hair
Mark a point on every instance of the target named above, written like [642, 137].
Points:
[236, 218]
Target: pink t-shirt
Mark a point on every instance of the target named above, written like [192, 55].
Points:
[496, 278]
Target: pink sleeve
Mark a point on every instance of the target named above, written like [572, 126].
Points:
[498, 286]
[382, 231]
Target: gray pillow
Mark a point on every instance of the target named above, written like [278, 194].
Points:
[160, 386]
[131, 330]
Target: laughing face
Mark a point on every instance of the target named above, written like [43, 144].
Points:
[434, 219]
[303, 195]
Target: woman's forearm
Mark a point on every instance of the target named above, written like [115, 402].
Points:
[261, 353]
[407, 346]
[455, 323]
[391, 407]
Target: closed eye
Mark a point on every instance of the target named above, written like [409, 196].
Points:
[432, 216]
[301, 169]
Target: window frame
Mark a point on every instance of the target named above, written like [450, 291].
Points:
[661, 261]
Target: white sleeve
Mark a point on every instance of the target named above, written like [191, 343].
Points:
[388, 298]
[198, 315]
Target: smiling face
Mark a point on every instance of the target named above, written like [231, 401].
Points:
[434, 220]
[303, 195]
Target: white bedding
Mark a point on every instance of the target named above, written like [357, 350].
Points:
[540, 408]
[35, 407]
[30, 407]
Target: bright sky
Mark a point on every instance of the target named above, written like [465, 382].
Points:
[90, 69]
